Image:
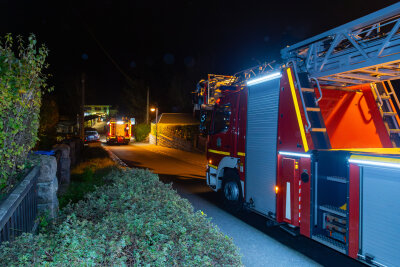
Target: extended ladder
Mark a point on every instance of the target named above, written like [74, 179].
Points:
[366, 50]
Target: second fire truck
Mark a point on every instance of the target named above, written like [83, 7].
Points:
[118, 131]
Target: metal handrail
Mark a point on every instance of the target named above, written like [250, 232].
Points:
[319, 89]
[394, 94]
[301, 95]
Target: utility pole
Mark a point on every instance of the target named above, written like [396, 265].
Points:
[156, 126]
[82, 117]
[147, 106]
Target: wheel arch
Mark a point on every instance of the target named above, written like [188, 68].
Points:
[228, 163]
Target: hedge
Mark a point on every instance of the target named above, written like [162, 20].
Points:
[21, 85]
[137, 220]
[141, 132]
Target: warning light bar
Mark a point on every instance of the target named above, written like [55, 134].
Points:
[265, 78]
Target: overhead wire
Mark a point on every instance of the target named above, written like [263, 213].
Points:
[129, 79]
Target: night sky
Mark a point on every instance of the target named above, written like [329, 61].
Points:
[166, 46]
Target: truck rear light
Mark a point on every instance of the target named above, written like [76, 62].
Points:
[276, 189]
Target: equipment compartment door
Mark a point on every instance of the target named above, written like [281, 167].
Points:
[261, 158]
[380, 215]
[290, 191]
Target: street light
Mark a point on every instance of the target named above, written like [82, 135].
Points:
[156, 110]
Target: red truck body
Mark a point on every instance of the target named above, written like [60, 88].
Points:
[317, 153]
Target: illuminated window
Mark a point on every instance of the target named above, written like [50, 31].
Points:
[222, 117]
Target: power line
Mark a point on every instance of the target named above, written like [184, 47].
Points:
[129, 79]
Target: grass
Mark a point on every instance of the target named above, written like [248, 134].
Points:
[88, 174]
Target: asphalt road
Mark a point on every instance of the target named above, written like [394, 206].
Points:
[260, 245]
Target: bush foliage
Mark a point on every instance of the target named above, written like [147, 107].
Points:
[21, 85]
[88, 174]
[137, 220]
[141, 132]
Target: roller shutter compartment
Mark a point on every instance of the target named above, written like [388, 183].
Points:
[380, 215]
[262, 127]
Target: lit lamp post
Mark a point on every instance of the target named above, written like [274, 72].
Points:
[156, 110]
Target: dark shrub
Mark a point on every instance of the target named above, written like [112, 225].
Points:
[141, 132]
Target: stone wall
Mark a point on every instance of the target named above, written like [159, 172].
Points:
[48, 183]
[172, 142]
[64, 163]
[76, 147]
[47, 186]
[44, 178]
[179, 136]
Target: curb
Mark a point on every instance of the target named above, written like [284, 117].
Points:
[115, 158]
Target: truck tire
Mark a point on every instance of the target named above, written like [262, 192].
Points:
[232, 197]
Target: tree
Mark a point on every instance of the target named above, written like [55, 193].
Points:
[49, 117]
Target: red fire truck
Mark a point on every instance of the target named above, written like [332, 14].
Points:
[118, 131]
[313, 143]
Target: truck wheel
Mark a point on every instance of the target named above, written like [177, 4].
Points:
[232, 196]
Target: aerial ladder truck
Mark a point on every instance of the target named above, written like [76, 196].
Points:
[313, 143]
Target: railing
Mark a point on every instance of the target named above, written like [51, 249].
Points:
[298, 85]
[18, 211]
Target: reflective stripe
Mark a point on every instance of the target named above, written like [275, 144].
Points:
[296, 107]
[219, 152]
[241, 154]
[213, 166]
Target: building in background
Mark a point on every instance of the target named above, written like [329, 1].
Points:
[99, 110]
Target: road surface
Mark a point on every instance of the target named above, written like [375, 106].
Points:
[260, 245]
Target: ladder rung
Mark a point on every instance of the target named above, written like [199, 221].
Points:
[385, 97]
[313, 109]
[394, 130]
[318, 130]
[389, 113]
[310, 90]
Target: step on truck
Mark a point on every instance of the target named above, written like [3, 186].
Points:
[313, 142]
